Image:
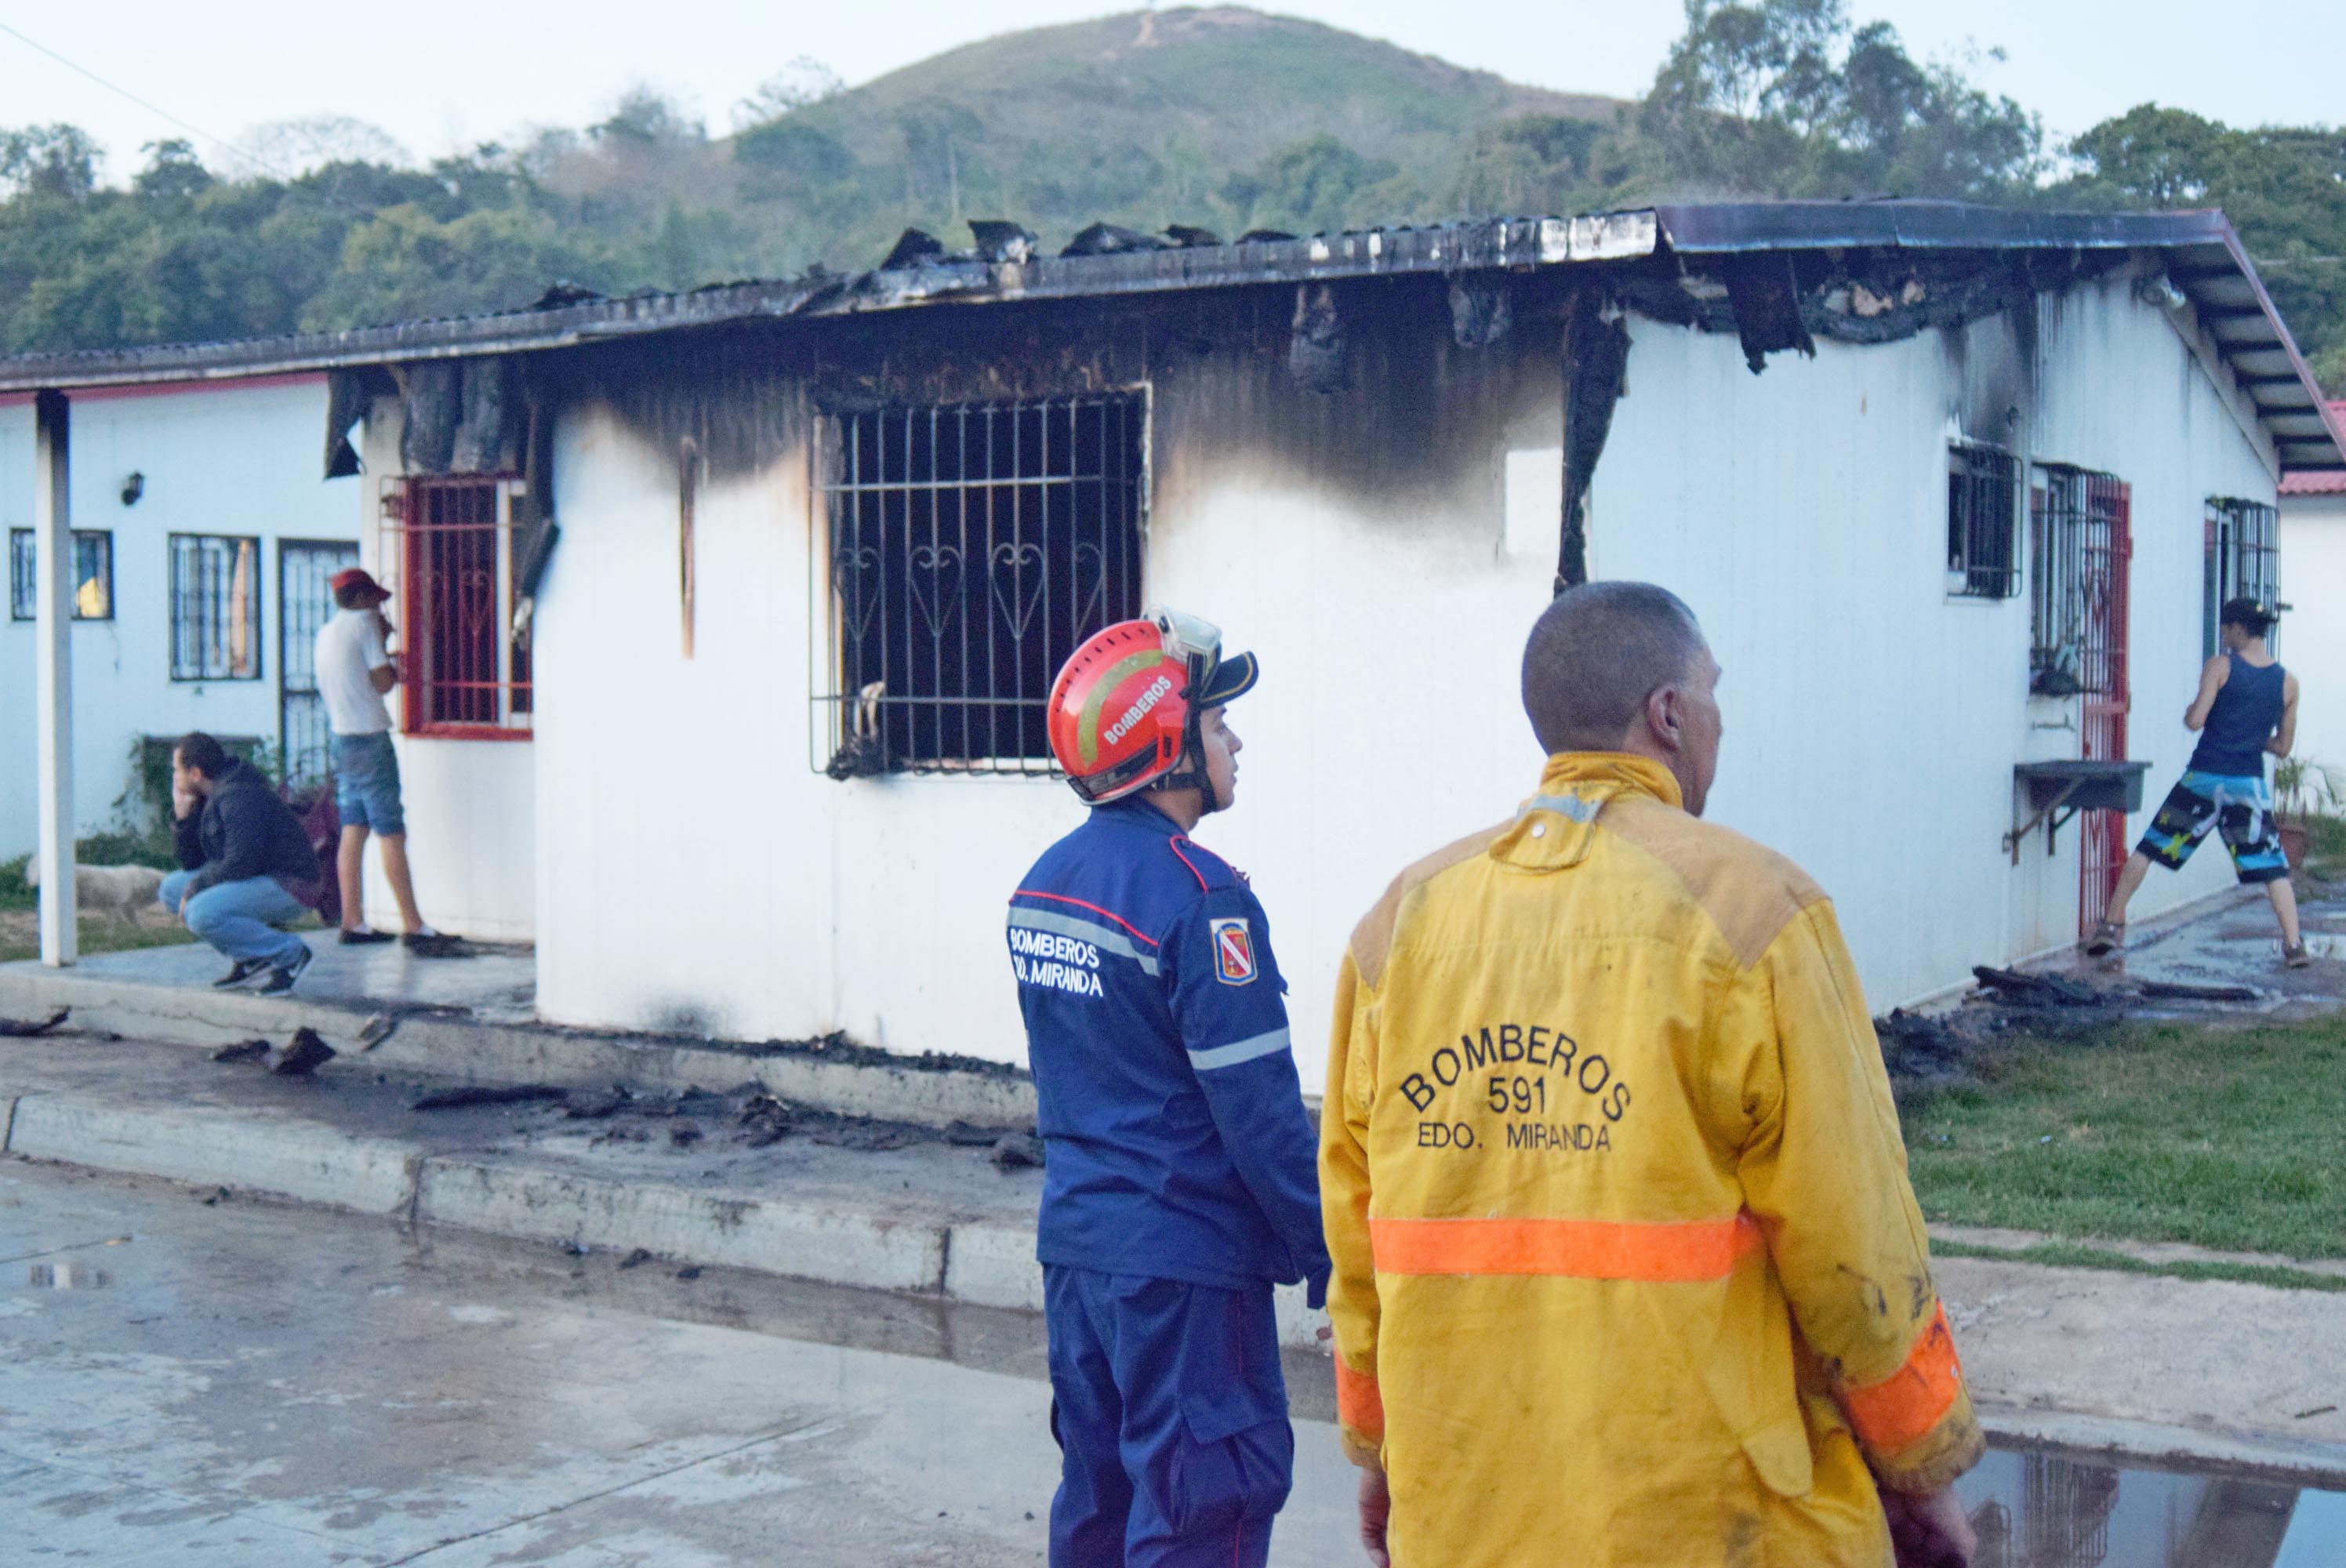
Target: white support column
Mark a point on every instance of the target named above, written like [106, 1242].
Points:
[53, 631]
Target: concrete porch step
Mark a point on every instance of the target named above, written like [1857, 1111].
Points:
[163, 996]
[921, 1214]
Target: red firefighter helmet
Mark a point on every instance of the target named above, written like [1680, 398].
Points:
[1122, 716]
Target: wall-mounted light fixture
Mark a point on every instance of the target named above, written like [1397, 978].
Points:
[133, 488]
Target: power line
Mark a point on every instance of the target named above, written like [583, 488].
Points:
[151, 107]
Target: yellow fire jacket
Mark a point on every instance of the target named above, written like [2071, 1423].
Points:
[1627, 1270]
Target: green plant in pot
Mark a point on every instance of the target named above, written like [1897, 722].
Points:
[2302, 786]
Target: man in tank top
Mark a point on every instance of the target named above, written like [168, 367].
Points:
[2247, 707]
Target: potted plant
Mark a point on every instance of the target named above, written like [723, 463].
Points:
[2298, 783]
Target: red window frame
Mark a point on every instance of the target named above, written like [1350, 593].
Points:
[464, 676]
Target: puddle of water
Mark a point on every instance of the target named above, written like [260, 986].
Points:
[68, 1277]
[2041, 1510]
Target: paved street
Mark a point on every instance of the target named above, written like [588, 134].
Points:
[257, 1385]
[252, 1384]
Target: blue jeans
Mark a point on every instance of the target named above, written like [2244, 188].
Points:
[366, 784]
[240, 917]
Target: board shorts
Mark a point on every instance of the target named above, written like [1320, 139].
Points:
[2238, 809]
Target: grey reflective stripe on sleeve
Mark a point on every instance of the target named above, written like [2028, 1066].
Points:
[1243, 1051]
[1100, 936]
[1572, 806]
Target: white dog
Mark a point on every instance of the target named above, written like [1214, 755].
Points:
[122, 892]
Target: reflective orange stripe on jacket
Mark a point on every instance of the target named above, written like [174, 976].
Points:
[1906, 1405]
[1660, 1253]
[1360, 1403]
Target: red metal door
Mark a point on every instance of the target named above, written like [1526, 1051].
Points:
[2105, 540]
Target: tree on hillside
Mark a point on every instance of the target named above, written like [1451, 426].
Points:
[1317, 184]
[2284, 190]
[57, 161]
[1786, 98]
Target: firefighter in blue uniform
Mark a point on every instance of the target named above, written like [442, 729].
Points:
[1179, 1183]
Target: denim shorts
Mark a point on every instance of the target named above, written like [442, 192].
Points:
[366, 784]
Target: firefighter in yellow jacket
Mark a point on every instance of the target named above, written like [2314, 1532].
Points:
[1627, 1270]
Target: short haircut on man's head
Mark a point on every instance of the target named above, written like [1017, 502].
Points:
[2247, 614]
[204, 754]
[1597, 654]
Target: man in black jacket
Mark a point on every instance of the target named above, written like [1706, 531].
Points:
[249, 868]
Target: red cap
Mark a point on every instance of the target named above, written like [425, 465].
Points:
[357, 577]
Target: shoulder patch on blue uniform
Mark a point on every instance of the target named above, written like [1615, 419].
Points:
[1234, 960]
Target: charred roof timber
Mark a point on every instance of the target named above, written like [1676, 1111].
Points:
[1779, 274]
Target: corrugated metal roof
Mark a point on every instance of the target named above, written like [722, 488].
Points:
[2203, 256]
[2319, 480]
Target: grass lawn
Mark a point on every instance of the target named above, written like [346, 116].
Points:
[2223, 1137]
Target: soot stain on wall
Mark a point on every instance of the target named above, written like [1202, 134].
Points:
[1405, 434]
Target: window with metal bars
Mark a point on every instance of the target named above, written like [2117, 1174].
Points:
[464, 671]
[964, 551]
[93, 575]
[2243, 561]
[216, 591]
[2073, 515]
[1983, 522]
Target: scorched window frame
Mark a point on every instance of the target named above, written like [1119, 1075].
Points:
[1027, 517]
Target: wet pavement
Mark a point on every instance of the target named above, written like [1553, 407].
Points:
[2235, 942]
[250, 1384]
[496, 985]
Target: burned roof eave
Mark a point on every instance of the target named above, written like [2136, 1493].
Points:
[1731, 228]
[1499, 243]
[1719, 229]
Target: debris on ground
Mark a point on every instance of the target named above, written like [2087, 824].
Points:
[2039, 989]
[486, 1094]
[637, 1258]
[438, 945]
[24, 1029]
[765, 1121]
[594, 1104]
[969, 1136]
[1019, 1151]
[575, 1247]
[300, 1056]
[867, 1137]
[684, 1135]
[2173, 990]
[1924, 1050]
[242, 1051]
[376, 1030]
[218, 1195]
[689, 1272]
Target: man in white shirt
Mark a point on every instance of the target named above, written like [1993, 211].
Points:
[355, 669]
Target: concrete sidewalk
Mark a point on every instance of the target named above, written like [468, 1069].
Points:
[472, 1019]
[2153, 1369]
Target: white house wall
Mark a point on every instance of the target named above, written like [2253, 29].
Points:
[695, 872]
[230, 458]
[1872, 720]
[471, 804]
[2313, 634]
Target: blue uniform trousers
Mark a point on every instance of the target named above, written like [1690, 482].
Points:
[1171, 1417]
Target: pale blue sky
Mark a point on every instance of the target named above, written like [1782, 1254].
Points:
[440, 75]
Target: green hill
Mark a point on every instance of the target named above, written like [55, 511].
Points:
[1223, 118]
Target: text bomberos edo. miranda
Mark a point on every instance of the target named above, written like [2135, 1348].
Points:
[1055, 962]
[1516, 1085]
